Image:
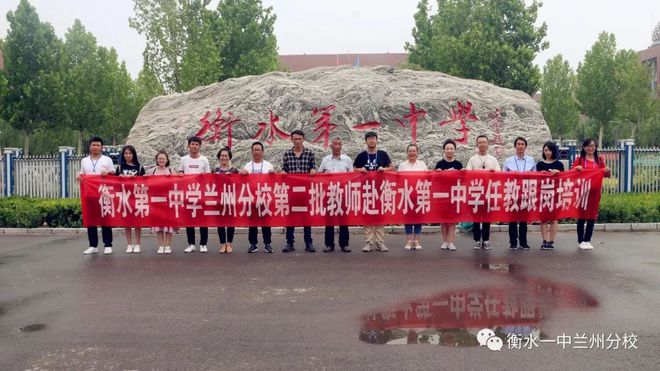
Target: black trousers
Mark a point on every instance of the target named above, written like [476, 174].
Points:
[252, 235]
[307, 231]
[582, 234]
[203, 235]
[481, 231]
[93, 236]
[518, 232]
[226, 234]
[330, 236]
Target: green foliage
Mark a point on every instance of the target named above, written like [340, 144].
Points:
[250, 46]
[629, 208]
[597, 88]
[489, 40]
[35, 86]
[189, 44]
[23, 212]
[558, 103]
[635, 101]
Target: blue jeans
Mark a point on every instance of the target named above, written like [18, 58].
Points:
[409, 228]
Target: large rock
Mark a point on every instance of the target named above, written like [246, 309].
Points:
[359, 95]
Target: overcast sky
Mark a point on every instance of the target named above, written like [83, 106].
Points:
[362, 26]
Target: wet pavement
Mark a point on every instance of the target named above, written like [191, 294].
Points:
[396, 310]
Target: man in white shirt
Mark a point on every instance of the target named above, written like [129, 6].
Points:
[195, 163]
[258, 166]
[482, 161]
[98, 164]
[519, 162]
[336, 162]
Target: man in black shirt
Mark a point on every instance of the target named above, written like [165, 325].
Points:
[373, 160]
[298, 160]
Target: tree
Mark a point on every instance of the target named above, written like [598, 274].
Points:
[558, 103]
[32, 55]
[147, 85]
[190, 45]
[490, 40]
[250, 46]
[635, 100]
[597, 88]
[83, 73]
[120, 105]
[179, 41]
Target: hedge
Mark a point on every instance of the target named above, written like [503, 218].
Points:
[24, 212]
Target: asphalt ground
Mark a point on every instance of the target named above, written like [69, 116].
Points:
[62, 310]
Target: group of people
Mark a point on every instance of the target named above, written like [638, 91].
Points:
[299, 159]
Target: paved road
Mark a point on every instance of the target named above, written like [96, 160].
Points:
[62, 310]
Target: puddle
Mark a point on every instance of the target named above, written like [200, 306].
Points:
[32, 328]
[453, 318]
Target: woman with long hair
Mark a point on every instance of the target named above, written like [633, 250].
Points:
[588, 160]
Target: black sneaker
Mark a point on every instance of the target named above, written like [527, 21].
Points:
[545, 245]
[345, 249]
[268, 248]
[525, 246]
[551, 245]
[513, 247]
[253, 249]
[310, 248]
[288, 248]
[329, 249]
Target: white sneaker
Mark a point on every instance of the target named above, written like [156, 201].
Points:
[444, 246]
[486, 245]
[129, 249]
[90, 250]
[202, 248]
[381, 247]
[477, 245]
[190, 248]
[418, 246]
[168, 250]
[407, 247]
[586, 246]
[366, 248]
[161, 250]
[452, 247]
[136, 249]
[107, 251]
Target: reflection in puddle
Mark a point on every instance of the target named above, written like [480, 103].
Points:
[32, 327]
[453, 318]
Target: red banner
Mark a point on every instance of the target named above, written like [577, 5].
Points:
[374, 198]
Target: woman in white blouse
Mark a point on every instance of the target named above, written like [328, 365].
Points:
[412, 164]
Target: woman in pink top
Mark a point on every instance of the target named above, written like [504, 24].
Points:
[589, 159]
[164, 234]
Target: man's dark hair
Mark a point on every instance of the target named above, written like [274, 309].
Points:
[482, 136]
[257, 144]
[95, 139]
[449, 141]
[520, 138]
[195, 139]
[298, 132]
[370, 134]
